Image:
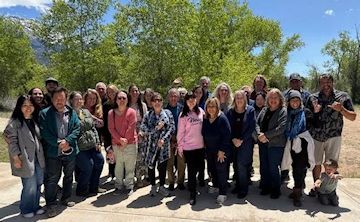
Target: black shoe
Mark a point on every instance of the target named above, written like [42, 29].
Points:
[312, 193]
[202, 183]
[181, 186]
[192, 202]
[275, 195]
[171, 187]
[264, 192]
[241, 195]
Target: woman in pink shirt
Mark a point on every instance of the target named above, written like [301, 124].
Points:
[122, 126]
[190, 141]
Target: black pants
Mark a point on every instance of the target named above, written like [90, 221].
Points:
[218, 171]
[162, 167]
[300, 165]
[195, 164]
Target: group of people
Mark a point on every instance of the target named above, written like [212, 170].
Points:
[55, 132]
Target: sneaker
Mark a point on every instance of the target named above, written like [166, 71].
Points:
[213, 190]
[28, 215]
[68, 203]
[117, 191]
[171, 187]
[163, 191]
[51, 211]
[40, 211]
[181, 186]
[153, 190]
[221, 199]
[129, 192]
[101, 190]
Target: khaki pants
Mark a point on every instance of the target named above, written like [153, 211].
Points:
[180, 164]
[331, 149]
[125, 162]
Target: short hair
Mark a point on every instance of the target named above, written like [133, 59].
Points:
[59, 89]
[331, 163]
[156, 95]
[100, 83]
[212, 100]
[239, 92]
[278, 92]
[204, 78]
[175, 90]
[326, 76]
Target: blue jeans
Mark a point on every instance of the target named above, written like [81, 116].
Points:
[270, 160]
[53, 174]
[89, 164]
[30, 194]
[219, 172]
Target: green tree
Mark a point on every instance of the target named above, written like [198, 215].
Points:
[73, 34]
[18, 65]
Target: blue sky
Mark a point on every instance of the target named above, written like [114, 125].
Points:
[317, 22]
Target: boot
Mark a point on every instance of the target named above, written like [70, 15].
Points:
[297, 192]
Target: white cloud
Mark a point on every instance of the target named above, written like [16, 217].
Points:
[40, 5]
[329, 12]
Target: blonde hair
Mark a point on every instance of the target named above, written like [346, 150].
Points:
[239, 92]
[229, 96]
[214, 101]
[98, 112]
[279, 94]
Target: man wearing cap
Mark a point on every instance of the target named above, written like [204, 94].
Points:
[50, 84]
[328, 107]
[295, 83]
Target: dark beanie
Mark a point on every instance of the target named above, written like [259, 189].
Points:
[294, 94]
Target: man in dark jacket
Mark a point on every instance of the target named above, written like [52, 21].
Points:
[60, 128]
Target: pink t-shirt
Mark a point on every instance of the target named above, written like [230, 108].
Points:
[123, 126]
[189, 135]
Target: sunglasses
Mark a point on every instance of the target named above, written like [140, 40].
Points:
[157, 100]
[122, 98]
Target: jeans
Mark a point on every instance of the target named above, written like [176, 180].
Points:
[30, 194]
[54, 165]
[195, 162]
[219, 172]
[125, 159]
[89, 164]
[270, 160]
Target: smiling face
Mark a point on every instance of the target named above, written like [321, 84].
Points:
[259, 84]
[191, 103]
[240, 101]
[91, 100]
[101, 89]
[198, 93]
[157, 103]
[37, 95]
[59, 101]
[295, 103]
[77, 101]
[173, 98]
[212, 109]
[134, 93]
[326, 85]
[260, 101]
[27, 108]
[273, 100]
[121, 100]
[223, 92]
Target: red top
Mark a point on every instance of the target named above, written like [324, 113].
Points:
[122, 126]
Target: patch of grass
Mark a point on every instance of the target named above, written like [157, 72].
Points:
[5, 114]
[4, 156]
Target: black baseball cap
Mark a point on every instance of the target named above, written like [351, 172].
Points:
[51, 79]
[295, 76]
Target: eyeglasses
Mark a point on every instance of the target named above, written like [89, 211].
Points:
[157, 100]
[224, 90]
[121, 98]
